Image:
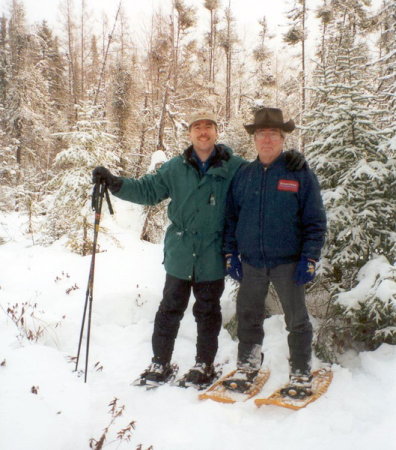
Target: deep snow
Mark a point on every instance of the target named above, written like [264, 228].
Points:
[358, 411]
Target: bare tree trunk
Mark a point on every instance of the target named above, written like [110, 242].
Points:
[301, 137]
[71, 57]
[212, 6]
[142, 140]
[122, 37]
[228, 52]
[161, 128]
[211, 50]
[176, 44]
[82, 44]
[228, 88]
[102, 71]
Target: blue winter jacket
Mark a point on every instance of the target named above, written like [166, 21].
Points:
[274, 216]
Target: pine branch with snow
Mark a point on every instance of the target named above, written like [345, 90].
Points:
[364, 317]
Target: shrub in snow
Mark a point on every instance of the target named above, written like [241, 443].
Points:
[364, 317]
[123, 435]
[30, 321]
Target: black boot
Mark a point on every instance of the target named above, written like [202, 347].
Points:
[200, 376]
[155, 375]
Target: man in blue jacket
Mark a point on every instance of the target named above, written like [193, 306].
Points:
[275, 225]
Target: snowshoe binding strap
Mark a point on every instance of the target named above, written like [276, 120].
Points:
[237, 385]
[296, 392]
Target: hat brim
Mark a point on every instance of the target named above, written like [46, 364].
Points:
[287, 127]
[201, 118]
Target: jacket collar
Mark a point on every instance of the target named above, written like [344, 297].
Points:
[217, 167]
[276, 162]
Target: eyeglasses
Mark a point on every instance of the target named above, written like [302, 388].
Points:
[272, 135]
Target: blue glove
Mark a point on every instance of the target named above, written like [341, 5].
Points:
[234, 266]
[305, 271]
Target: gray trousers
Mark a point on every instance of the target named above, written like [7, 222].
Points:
[251, 312]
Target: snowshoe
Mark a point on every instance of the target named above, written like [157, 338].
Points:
[156, 375]
[242, 380]
[220, 393]
[320, 382]
[200, 376]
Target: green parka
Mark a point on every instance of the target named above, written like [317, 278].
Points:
[193, 240]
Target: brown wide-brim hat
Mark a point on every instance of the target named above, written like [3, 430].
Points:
[270, 118]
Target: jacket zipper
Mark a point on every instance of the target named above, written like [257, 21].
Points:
[263, 195]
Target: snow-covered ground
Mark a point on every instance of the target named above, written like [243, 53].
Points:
[44, 404]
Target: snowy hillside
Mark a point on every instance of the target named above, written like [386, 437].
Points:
[44, 404]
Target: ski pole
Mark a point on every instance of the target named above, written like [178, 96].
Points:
[99, 191]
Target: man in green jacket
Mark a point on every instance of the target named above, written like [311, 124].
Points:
[197, 183]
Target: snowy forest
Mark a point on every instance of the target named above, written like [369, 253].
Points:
[73, 98]
[92, 91]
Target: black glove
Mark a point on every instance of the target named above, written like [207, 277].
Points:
[295, 160]
[102, 175]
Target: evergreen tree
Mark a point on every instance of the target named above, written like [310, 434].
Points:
[227, 40]
[387, 86]
[346, 149]
[263, 76]
[387, 79]
[4, 60]
[27, 111]
[356, 177]
[212, 6]
[89, 145]
[92, 72]
[128, 118]
[7, 158]
[52, 65]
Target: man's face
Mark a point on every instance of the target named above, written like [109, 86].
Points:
[269, 144]
[203, 135]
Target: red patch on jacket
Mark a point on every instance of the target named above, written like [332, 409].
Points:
[288, 185]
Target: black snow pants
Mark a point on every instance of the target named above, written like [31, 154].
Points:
[206, 311]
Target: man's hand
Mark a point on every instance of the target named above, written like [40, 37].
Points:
[305, 271]
[295, 160]
[234, 266]
[102, 175]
